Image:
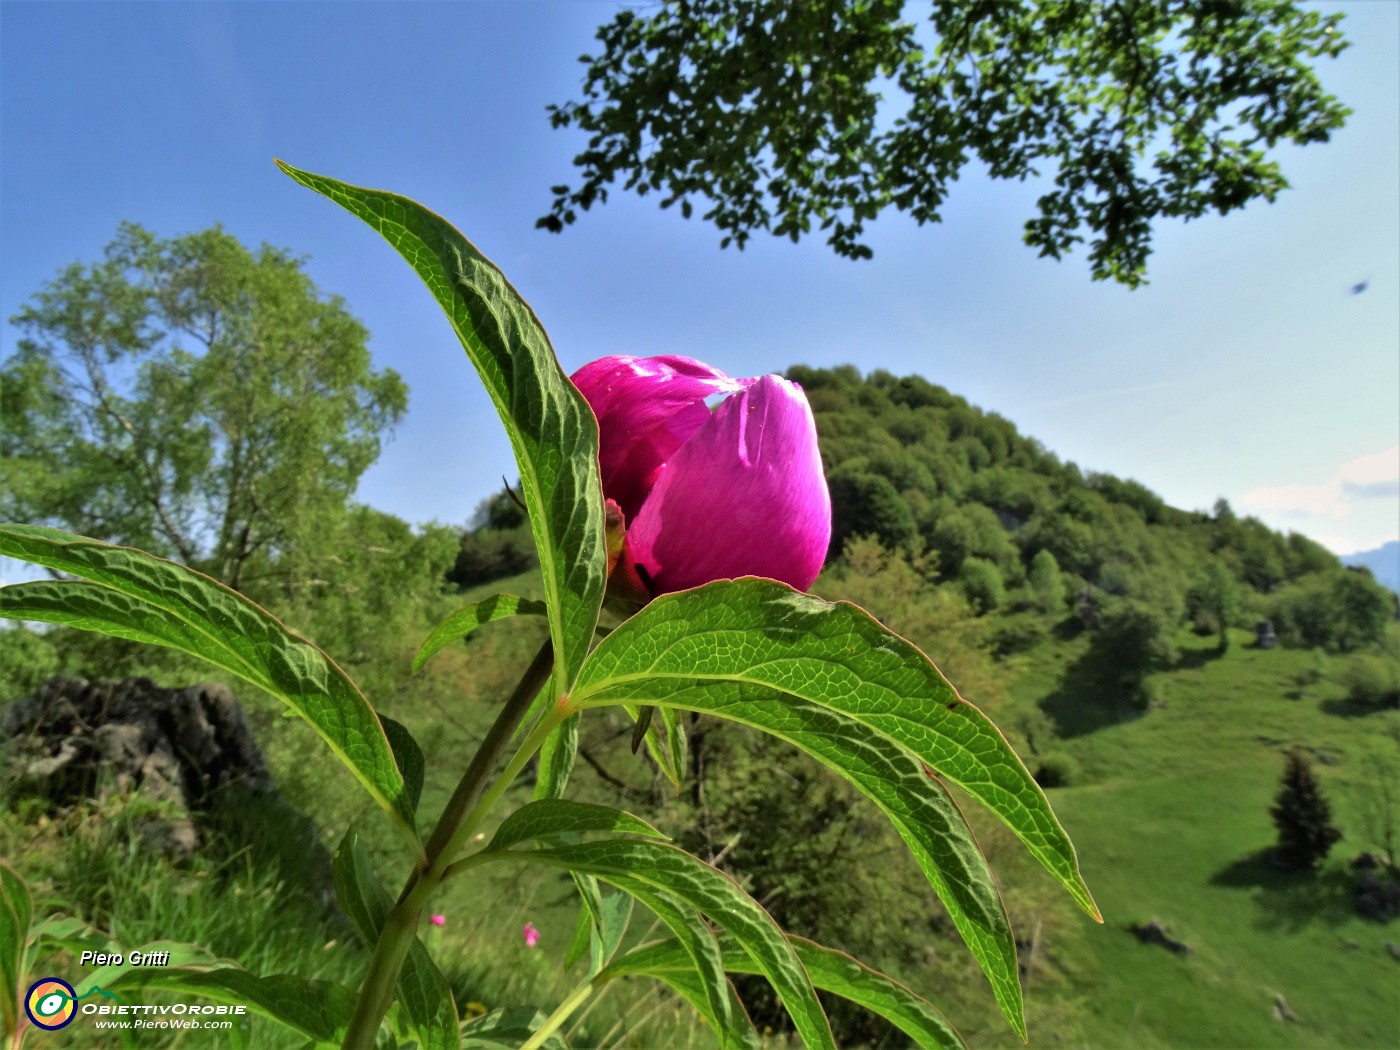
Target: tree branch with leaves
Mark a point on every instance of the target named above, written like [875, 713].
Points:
[767, 114]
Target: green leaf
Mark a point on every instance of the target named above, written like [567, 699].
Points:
[607, 935]
[70, 934]
[16, 909]
[557, 758]
[646, 866]
[408, 755]
[555, 764]
[583, 940]
[467, 619]
[921, 810]
[839, 657]
[361, 895]
[422, 988]
[830, 970]
[677, 746]
[690, 986]
[179, 956]
[135, 595]
[426, 995]
[550, 426]
[506, 1029]
[715, 1001]
[318, 1010]
[547, 819]
[666, 742]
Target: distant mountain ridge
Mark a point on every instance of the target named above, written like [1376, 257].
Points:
[1384, 563]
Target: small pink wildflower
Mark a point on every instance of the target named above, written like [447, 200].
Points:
[531, 935]
[438, 920]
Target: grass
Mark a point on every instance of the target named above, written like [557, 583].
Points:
[96, 863]
[1174, 825]
[247, 900]
[1168, 809]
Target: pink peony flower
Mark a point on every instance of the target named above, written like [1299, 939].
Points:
[438, 920]
[531, 935]
[709, 495]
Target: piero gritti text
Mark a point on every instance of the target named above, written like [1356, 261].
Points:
[118, 959]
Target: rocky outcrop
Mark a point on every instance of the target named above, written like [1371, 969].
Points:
[1376, 893]
[74, 739]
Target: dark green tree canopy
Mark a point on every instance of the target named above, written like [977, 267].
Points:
[766, 112]
[192, 398]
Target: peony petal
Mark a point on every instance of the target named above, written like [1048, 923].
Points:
[647, 407]
[745, 496]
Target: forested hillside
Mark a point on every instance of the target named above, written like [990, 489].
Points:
[998, 515]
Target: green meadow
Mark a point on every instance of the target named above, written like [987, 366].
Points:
[1171, 822]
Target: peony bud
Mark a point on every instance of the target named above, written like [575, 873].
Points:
[709, 495]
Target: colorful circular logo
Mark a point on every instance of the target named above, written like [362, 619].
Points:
[50, 1003]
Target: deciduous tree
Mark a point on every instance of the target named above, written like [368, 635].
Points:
[192, 398]
[767, 113]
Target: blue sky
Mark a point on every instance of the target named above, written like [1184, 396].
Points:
[1244, 370]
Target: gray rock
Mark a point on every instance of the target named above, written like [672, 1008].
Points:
[1155, 933]
[1376, 894]
[76, 740]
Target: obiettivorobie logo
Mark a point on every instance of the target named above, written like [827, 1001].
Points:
[52, 1004]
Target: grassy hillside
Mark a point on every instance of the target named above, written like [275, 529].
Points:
[1109, 635]
[1171, 822]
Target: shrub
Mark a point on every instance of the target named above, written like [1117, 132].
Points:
[1018, 635]
[1056, 770]
[1137, 638]
[488, 554]
[1046, 583]
[864, 504]
[1342, 612]
[1373, 680]
[981, 582]
[26, 659]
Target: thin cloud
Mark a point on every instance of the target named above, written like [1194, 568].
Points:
[1098, 395]
[1361, 480]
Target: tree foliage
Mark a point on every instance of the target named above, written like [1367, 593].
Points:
[1214, 601]
[1341, 610]
[1046, 583]
[1301, 814]
[192, 398]
[767, 113]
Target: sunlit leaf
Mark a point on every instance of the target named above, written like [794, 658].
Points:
[467, 619]
[550, 426]
[830, 970]
[839, 657]
[16, 909]
[135, 595]
[317, 1010]
[646, 866]
[422, 988]
[551, 819]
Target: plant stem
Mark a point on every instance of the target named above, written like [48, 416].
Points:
[556, 1019]
[473, 781]
[401, 926]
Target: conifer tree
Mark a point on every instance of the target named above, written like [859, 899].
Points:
[1303, 817]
